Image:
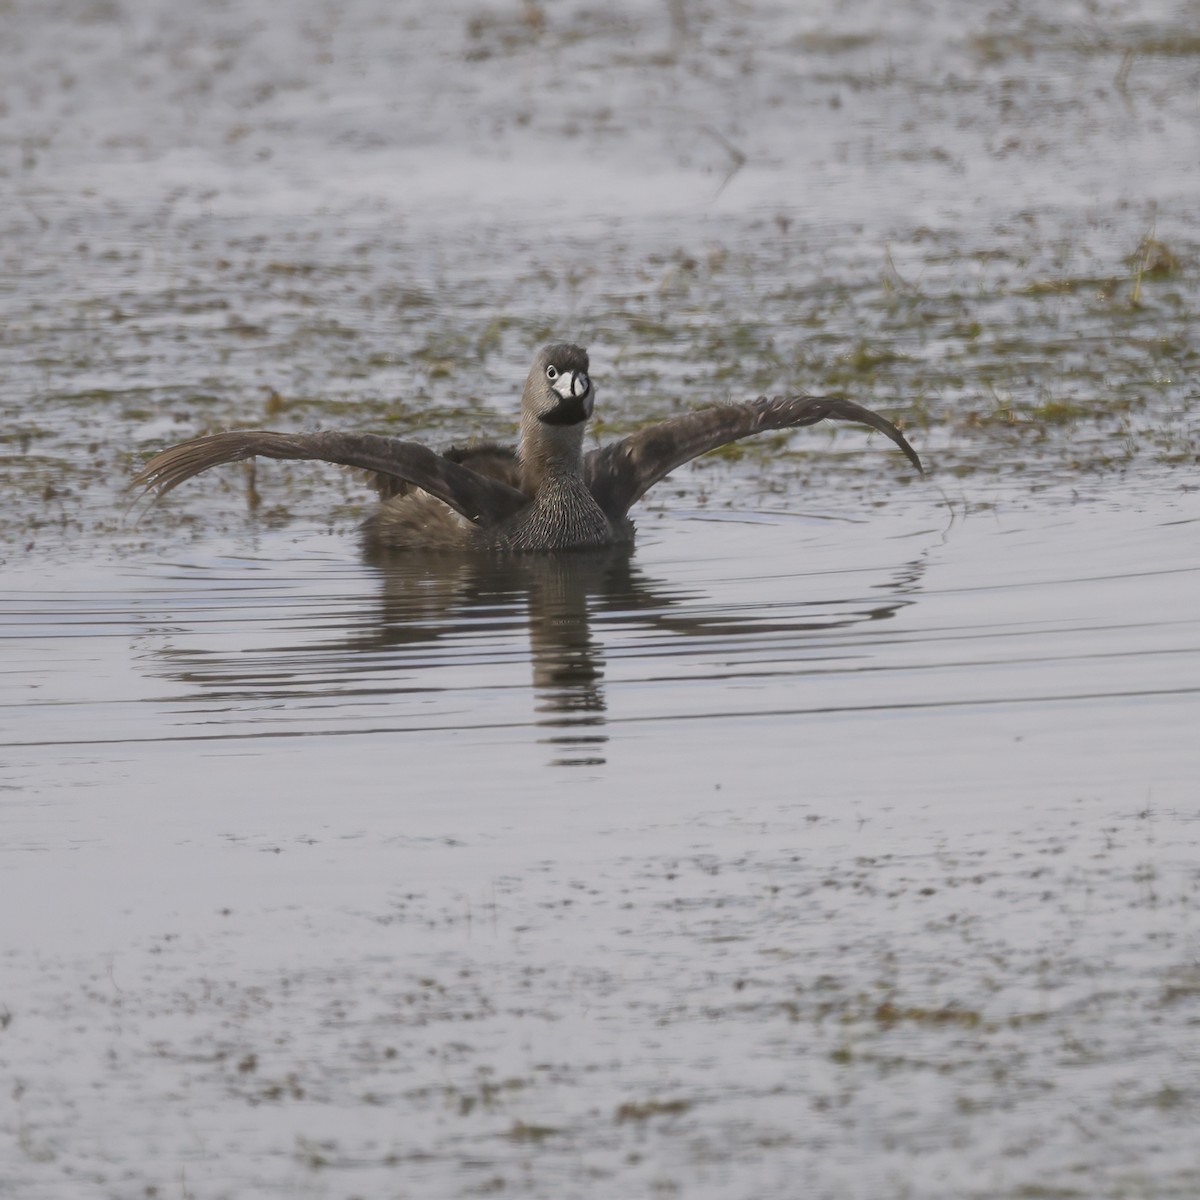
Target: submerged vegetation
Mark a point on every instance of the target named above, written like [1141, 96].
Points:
[1000, 360]
[930, 261]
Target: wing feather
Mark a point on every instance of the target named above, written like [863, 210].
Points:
[480, 499]
[621, 473]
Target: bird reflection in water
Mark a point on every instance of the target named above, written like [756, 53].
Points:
[559, 593]
[438, 615]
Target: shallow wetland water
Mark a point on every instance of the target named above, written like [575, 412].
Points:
[842, 840]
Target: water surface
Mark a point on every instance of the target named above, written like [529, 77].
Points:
[840, 839]
[892, 829]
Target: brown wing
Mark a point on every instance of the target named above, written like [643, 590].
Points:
[490, 459]
[621, 473]
[479, 499]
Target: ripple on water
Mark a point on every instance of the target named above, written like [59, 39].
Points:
[708, 621]
[894, 809]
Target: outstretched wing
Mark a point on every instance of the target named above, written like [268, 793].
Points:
[619, 475]
[479, 499]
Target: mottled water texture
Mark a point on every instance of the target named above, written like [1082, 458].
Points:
[839, 841]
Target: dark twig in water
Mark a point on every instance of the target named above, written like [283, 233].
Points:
[739, 159]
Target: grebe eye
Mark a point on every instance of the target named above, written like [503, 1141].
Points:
[552, 372]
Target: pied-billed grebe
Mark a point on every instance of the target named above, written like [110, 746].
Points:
[545, 495]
